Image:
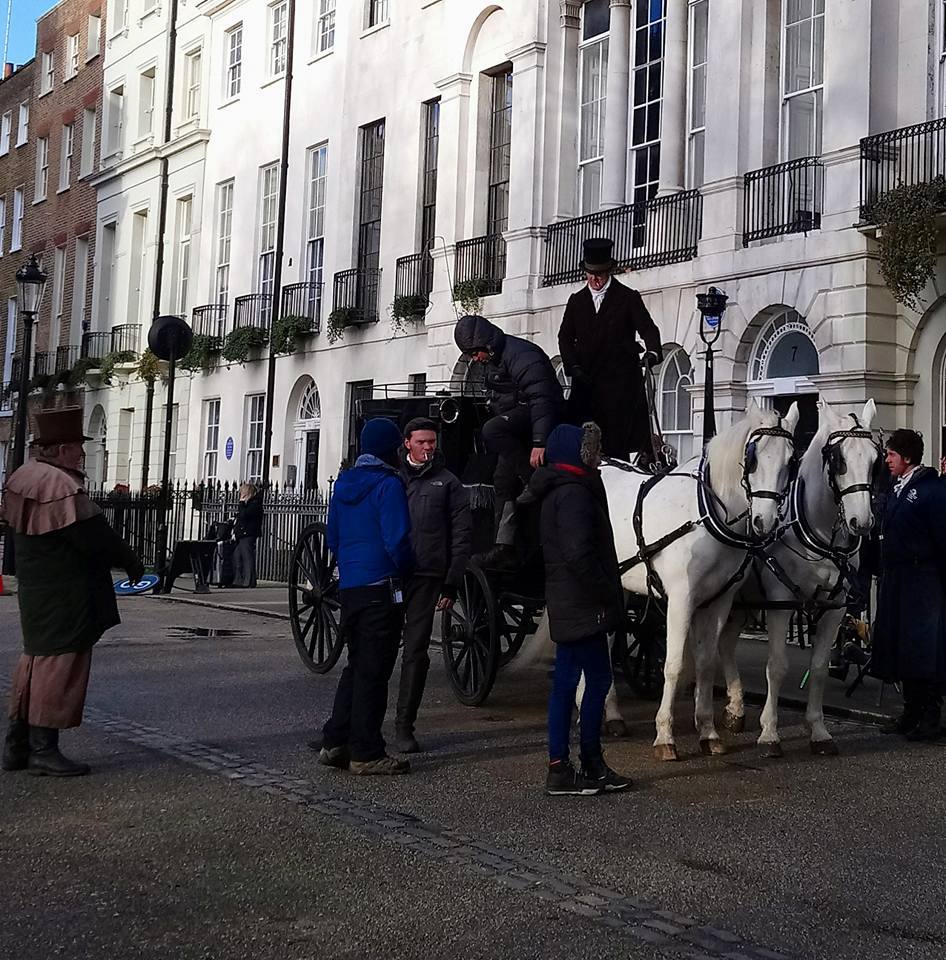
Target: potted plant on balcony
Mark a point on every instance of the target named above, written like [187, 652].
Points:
[111, 360]
[241, 341]
[288, 331]
[42, 381]
[339, 320]
[907, 236]
[469, 294]
[201, 355]
[77, 376]
[409, 308]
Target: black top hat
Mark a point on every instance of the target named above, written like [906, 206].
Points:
[597, 256]
[59, 426]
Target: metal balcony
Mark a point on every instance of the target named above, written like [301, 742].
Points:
[414, 279]
[357, 291]
[66, 358]
[253, 310]
[482, 261]
[783, 199]
[303, 300]
[210, 320]
[126, 338]
[910, 155]
[649, 234]
[43, 364]
[95, 345]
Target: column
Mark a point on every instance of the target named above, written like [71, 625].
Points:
[614, 175]
[567, 172]
[674, 120]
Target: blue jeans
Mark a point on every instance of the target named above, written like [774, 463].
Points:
[591, 657]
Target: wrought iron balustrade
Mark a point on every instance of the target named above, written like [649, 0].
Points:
[648, 234]
[357, 291]
[210, 320]
[904, 157]
[126, 338]
[481, 261]
[303, 300]
[43, 364]
[66, 357]
[96, 345]
[783, 199]
[16, 368]
[414, 279]
[253, 310]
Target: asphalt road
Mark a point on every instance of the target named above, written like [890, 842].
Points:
[208, 831]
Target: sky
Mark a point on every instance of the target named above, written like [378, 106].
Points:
[22, 43]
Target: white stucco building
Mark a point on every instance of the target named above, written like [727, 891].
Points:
[717, 141]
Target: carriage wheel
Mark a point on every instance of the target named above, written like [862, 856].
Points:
[314, 604]
[642, 650]
[470, 639]
[516, 620]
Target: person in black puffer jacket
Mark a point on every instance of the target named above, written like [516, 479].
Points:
[246, 531]
[527, 402]
[584, 601]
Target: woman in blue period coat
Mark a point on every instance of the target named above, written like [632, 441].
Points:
[910, 629]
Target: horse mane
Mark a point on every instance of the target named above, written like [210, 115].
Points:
[726, 452]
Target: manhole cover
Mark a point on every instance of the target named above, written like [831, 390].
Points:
[183, 632]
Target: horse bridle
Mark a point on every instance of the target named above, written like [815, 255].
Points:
[750, 463]
[833, 459]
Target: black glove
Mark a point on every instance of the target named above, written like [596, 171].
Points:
[135, 571]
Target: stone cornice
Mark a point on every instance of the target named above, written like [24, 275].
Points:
[455, 79]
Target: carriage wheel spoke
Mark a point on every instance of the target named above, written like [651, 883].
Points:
[305, 631]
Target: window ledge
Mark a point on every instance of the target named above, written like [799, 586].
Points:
[22, 143]
[16, 249]
[227, 103]
[45, 93]
[322, 54]
[3, 153]
[71, 76]
[153, 11]
[89, 57]
[143, 143]
[276, 79]
[39, 200]
[64, 189]
[186, 126]
[377, 28]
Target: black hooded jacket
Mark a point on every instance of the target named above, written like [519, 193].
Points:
[582, 582]
[519, 373]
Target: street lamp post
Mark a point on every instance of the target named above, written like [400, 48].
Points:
[711, 305]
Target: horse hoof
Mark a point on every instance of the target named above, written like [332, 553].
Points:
[713, 747]
[824, 748]
[733, 723]
[615, 728]
[665, 751]
[771, 751]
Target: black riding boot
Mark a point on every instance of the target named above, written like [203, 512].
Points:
[46, 760]
[413, 681]
[16, 746]
[929, 726]
[914, 700]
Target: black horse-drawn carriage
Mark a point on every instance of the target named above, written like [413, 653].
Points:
[495, 610]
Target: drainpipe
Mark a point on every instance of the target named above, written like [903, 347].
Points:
[162, 224]
[280, 239]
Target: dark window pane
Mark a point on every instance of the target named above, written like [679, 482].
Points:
[597, 14]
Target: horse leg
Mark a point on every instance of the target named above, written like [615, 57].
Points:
[734, 719]
[678, 620]
[822, 744]
[775, 670]
[614, 724]
[705, 630]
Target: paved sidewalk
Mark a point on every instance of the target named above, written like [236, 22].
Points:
[867, 702]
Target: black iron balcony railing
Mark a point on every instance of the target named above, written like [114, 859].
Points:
[96, 345]
[15, 372]
[783, 199]
[481, 261]
[303, 300]
[126, 338]
[414, 276]
[253, 310]
[7, 389]
[43, 364]
[910, 155]
[356, 292]
[648, 234]
[66, 357]
[210, 320]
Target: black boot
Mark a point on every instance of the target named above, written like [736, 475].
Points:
[16, 746]
[45, 758]
[929, 726]
[410, 695]
[906, 723]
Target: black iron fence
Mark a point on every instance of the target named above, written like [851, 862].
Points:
[649, 234]
[195, 508]
[481, 262]
[414, 279]
[357, 291]
[210, 320]
[96, 345]
[126, 338]
[903, 157]
[783, 199]
[253, 310]
[303, 300]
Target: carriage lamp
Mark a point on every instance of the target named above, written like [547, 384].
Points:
[712, 306]
[30, 284]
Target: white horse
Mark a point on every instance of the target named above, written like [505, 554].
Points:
[748, 473]
[830, 509]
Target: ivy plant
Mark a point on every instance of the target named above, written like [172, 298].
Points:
[149, 367]
[77, 375]
[241, 341]
[339, 320]
[469, 294]
[907, 238]
[111, 360]
[42, 381]
[407, 309]
[203, 350]
[288, 331]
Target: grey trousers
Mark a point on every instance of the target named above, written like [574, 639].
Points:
[244, 562]
[420, 600]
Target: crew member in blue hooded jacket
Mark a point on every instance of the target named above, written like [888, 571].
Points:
[369, 529]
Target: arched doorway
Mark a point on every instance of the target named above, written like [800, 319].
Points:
[783, 361]
[96, 449]
[306, 430]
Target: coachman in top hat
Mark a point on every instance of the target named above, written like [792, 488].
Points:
[599, 348]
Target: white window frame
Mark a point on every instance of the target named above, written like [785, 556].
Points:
[266, 238]
[47, 76]
[596, 107]
[645, 189]
[211, 424]
[324, 39]
[233, 77]
[255, 425]
[87, 156]
[23, 124]
[316, 188]
[278, 38]
[377, 13]
[66, 147]
[16, 231]
[3, 223]
[678, 435]
[116, 121]
[80, 289]
[59, 297]
[185, 212]
[120, 19]
[696, 95]
[6, 129]
[941, 34]
[72, 56]
[41, 185]
[147, 84]
[224, 239]
[192, 68]
[814, 90]
[93, 37]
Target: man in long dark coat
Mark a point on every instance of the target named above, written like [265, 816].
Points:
[65, 551]
[909, 633]
[599, 348]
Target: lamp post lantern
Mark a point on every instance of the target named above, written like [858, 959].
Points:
[30, 284]
[712, 306]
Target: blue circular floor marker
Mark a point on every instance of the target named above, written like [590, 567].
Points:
[125, 588]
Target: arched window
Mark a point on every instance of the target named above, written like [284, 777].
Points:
[303, 468]
[310, 407]
[676, 404]
[784, 349]
[469, 378]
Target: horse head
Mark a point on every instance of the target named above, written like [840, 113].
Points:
[849, 454]
[767, 465]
